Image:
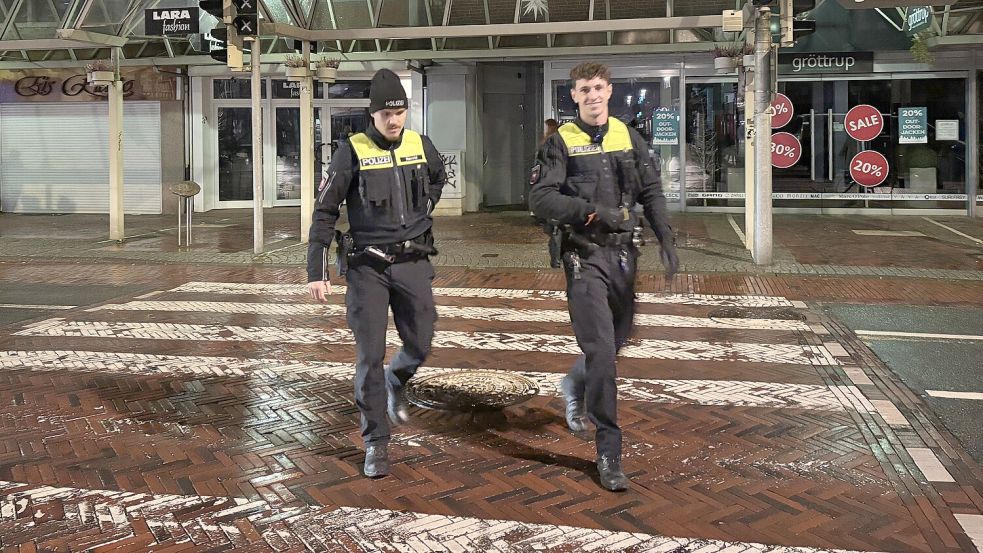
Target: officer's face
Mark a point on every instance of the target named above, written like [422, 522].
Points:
[390, 122]
[592, 97]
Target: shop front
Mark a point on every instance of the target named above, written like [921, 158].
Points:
[54, 141]
[223, 142]
[868, 132]
[846, 137]
[337, 115]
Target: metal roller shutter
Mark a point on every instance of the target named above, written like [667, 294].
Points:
[54, 158]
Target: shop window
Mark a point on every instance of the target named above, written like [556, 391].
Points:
[283, 88]
[234, 89]
[349, 89]
[651, 107]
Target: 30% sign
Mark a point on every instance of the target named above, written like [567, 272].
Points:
[869, 168]
[785, 150]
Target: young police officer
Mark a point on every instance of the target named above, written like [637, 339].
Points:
[588, 177]
[391, 179]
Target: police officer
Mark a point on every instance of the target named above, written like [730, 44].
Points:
[390, 179]
[588, 177]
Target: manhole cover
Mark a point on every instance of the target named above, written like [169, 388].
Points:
[470, 390]
[776, 313]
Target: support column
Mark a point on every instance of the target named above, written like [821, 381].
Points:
[306, 148]
[749, 133]
[972, 144]
[115, 93]
[761, 250]
[256, 96]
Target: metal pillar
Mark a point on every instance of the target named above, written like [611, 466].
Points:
[256, 95]
[306, 149]
[682, 137]
[185, 209]
[115, 93]
[749, 173]
[972, 144]
[761, 249]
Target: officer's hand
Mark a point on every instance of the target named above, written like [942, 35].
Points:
[670, 259]
[320, 290]
[609, 218]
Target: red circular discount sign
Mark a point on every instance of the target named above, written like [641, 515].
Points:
[863, 122]
[868, 168]
[785, 150]
[783, 111]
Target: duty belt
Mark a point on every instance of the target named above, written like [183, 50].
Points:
[611, 239]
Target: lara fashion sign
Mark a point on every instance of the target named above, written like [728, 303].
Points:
[69, 85]
[827, 62]
[170, 21]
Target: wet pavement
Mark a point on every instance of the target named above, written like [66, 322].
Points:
[197, 404]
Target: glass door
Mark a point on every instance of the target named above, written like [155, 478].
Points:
[287, 155]
[342, 122]
[235, 150]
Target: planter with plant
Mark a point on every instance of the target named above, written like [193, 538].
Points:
[100, 73]
[327, 69]
[725, 57]
[296, 68]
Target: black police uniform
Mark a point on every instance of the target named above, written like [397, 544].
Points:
[605, 170]
[390, 190]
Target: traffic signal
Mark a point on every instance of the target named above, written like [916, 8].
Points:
[246, 20]
[213, 7]
[793, 25]
[230, 48]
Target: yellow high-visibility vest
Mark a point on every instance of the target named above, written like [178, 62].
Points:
[579, 143]
[371, 156]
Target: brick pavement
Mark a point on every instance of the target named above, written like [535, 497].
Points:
[804, 245]
[212, 427]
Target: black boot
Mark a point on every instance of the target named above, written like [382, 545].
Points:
[396, 404]
[612, 477]
[576, 412]
[376, 461]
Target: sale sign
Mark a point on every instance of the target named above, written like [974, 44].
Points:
[869, 168]
[785, 150]
[783, 111]
[864, 122]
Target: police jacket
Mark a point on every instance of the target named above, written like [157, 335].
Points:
[581, 168]
[390, 189]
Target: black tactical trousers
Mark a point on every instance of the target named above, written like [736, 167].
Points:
[602, 310]
[372, 289]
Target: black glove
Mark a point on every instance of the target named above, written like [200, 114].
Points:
[610, 218]
[670, 259]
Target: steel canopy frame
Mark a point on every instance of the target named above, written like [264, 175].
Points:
[296, 21]
[500, 29]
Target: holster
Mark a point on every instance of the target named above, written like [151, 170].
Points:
[571, 240]
[346, 244]
[384, 255]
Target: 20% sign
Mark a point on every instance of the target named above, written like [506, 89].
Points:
[869, 168]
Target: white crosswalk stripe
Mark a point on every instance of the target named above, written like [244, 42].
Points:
[452, 312]
[701, 392]
[379, 529]
[495, 293]
[371, 529]
[547, 343]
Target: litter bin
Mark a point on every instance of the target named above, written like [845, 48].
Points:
[186, 192]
